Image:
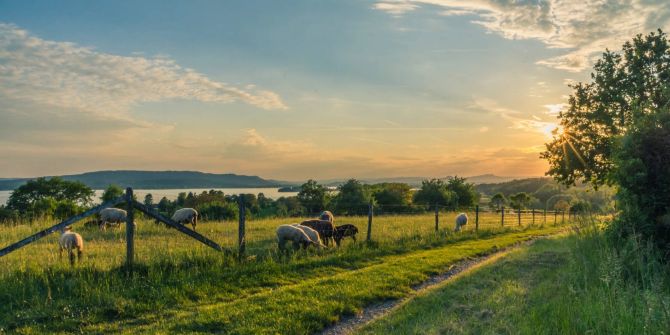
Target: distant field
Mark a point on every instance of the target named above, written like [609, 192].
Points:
[184, 279]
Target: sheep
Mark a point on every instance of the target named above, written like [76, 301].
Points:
[326, 229]
[69, 241]
[461, 220]
[294, 234]
[311, 233]
[112, 215]
[186, 215]
[343, 231]
[327, 216]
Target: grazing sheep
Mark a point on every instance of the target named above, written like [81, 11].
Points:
[327, 216]
[311, 233]
[69, 241]
[186, 215]
[294, 234]
[326, 229]
[461, 220]
[112, 215]
[343, 231]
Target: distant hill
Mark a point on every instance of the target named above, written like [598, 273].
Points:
[416, 181]
[528, 185]
[156, 180]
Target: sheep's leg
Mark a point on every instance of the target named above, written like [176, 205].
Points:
[71, 254]
[79, 254]
[353, 237]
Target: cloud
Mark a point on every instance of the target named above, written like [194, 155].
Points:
[66, 75]
[584, 28]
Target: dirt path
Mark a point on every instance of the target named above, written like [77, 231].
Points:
[349, 324]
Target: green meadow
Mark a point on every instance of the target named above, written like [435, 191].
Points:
[179, 285]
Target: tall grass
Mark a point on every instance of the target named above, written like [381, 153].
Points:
[585, 283]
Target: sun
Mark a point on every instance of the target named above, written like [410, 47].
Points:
[552, 129]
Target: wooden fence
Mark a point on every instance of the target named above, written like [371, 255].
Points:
[131, 206]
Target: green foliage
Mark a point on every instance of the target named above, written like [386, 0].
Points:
[465, 195]
[218, 211]
[497, 201]
[434, 192]
[626, 86]
[352, 199]
[520, 200]
[643, 177]
[41, 197]
[313, 196]
[149, 200]
[8, 215]
[393, 197]
[580, 207]
[112, 192]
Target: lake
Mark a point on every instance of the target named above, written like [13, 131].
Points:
[172, 193]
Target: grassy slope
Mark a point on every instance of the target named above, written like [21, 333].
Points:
[200, 290]
[570, 285]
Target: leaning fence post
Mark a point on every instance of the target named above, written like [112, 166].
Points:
[241, 238]
[545, 215]
[477, 218]
[130, 228]
[502, 216]
[369, 221]
[437, 218]
[518, 214]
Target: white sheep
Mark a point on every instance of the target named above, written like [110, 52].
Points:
[69, 241]
[311, 233]
[112, 215]
[327, 216]
[461, 220]
[294, 234]
[186, 215]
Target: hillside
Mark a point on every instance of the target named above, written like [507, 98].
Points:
[156, 180]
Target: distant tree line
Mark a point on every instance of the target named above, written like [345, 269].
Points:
[57, 198]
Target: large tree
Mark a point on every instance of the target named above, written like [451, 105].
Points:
[41, 189]
[434, 192]
[625, 87]
[616, 130]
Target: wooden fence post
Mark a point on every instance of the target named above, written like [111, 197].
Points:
[476, 218]
[241, 233]
[502, 216]
[555, 214]
[518, 214]
[533, 209]
[545, 215]
[369, 221]
[130, 228]
[563, 217]
[437, 218]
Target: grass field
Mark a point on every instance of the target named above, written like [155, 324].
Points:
[570, 285]
[180, 285]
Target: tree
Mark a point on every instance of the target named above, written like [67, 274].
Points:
[313, 196]
[27, 195]
[465, 193]
[498, 200]
[434, 192]
[616, 131]
[625, 87]
[393, 197]
[352, 198]
[520, 200]
[112, 192]
[149, 200]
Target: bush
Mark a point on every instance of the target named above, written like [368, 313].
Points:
[218, 211]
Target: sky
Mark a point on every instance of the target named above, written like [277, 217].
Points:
[293, 90]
